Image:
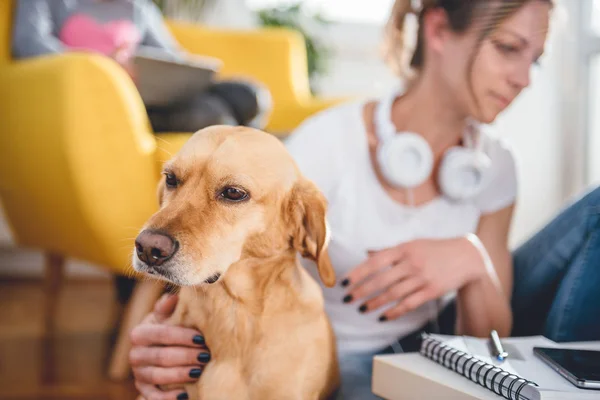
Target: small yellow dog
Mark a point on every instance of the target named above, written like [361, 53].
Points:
[234, 212]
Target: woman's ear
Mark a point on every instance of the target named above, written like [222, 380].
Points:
[435, 28]
[306, 210]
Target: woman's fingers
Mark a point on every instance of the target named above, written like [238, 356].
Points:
[166, 376]
[155, 334]
[377, 283]
[408, 304]
[393, 294]
[151, 392]
[374, 264]
[165, 306]
[164, 354]
[168, 356]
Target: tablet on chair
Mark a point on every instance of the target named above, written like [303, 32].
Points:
[163, 80]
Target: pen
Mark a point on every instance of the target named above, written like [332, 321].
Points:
[497, 348]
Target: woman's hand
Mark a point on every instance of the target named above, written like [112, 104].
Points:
[164, 354]
[122, 55]
[412, 274]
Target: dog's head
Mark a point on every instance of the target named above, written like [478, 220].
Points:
[229, 194]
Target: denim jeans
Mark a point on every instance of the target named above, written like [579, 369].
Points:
[223, 103]
[556, 290]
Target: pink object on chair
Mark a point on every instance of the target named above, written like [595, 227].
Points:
[116, 39]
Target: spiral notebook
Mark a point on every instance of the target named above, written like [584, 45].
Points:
[500, 380]
[462, 367]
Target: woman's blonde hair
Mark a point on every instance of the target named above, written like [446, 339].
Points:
[406, 62]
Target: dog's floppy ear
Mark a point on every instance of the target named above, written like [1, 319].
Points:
[306, 210]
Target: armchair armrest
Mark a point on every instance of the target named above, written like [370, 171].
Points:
[274, 56]
[78, 156]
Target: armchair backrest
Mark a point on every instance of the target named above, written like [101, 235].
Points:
[6, 17]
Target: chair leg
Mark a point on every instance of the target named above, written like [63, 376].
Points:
[53, 280]
[54, 266]
[145, 294]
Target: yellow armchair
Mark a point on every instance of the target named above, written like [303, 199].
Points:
[78, 171]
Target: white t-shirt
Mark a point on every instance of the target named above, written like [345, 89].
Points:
[331, 150]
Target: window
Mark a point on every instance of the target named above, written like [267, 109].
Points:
[361, 11]
[596, 17]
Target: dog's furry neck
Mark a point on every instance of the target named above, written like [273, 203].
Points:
[250, 275]
[239, 303]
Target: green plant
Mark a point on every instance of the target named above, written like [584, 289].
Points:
[169, 7]
[293, 16]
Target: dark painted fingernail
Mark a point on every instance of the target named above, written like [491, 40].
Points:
[198, 339]
[204, 357]
[363, 308]
[348, 298]
[183, 396]
[382, 318]
[345, 282]
[195, 373]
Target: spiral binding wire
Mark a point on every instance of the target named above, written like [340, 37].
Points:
[449, 357]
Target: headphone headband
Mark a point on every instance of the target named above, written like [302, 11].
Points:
[406, 159]
[385, 128]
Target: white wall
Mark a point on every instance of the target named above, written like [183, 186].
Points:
[356, 68]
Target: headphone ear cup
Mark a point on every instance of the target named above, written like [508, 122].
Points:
[462, 173]
[405, 160]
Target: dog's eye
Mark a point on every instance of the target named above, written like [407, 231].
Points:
[171, 180]
[234, 194]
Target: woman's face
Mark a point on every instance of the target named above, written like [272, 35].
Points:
[502, 63]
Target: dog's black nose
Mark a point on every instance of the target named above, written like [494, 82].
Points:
[154, 248]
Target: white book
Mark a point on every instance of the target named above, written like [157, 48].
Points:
[461, 368]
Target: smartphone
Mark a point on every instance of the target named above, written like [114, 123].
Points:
[580, 367]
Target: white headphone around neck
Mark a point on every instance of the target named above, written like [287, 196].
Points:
[406, 159]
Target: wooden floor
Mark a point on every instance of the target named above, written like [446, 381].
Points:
[68, 366]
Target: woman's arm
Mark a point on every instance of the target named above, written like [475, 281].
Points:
[426, 269]
[483, 304]
[33, 30]
[157, 34]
